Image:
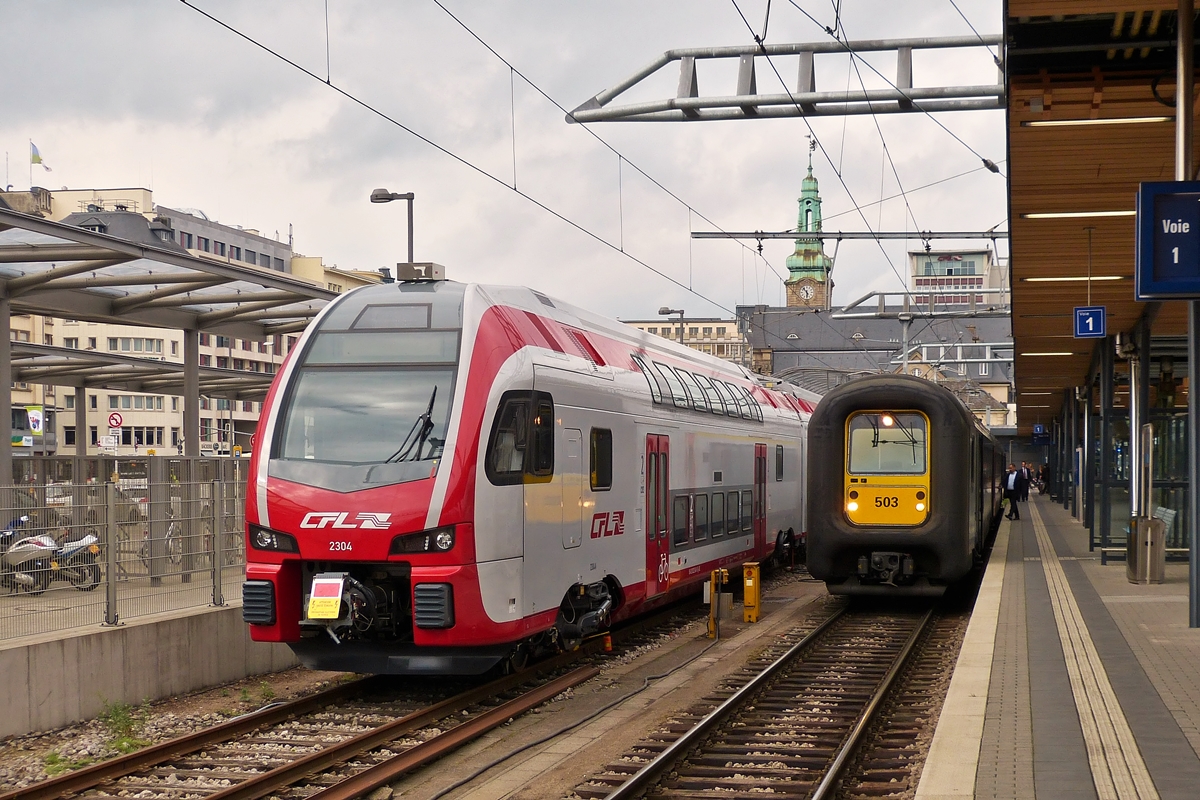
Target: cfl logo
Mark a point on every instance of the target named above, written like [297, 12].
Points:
[337, 519]
[608, 524]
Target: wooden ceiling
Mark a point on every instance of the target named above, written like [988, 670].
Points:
[1070, 60]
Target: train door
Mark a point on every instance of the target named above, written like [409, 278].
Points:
[658, 472]
[760, 497]
[572, 488]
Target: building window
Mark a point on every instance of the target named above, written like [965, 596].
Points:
[175, 437]
[251, 257]
[185, 239]
[204, 340]
[693, 331]
[91, 343]
[174, 405]
[247, 405]
[93, 434]
[92, 402]
[126, 401]
[137, 403]
[708, 331]
[69, 401]
[222, 362]
[239, 364]
[71, 342]
[223, 404]
[174, 348]
[224, 341]
[69, 435]
[720, 331]
[205, 361]
[235, 252]
[652, 330]
[984, 369]
[264, 260]
[204, 244]
[279, 264]
[114, 401]
[219, 248]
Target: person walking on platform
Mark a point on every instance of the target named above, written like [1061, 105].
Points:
[1026, 478]
[1012, 491]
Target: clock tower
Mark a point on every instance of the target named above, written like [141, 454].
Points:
[809, 267]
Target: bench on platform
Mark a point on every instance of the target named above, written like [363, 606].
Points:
[1118, 552]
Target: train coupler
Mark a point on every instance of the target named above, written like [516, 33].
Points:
[886, 567]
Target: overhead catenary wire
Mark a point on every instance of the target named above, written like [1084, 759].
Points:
[987, 162]
[450, 153]
[585, 126]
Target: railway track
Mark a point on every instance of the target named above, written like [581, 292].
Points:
[790, 731]
[339, 743]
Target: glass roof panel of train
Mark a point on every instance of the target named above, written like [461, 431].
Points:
[699, 401]
[882, 443]
[715, 402]
[444, 299]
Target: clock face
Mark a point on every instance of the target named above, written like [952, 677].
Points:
[807, 292]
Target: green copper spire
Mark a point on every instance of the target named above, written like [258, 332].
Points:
[809, 259]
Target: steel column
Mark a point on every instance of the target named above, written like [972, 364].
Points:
[191, 393]
[81, 422]
[6, 451]
[1107, 357]
[1089, 466]
[1184, 87]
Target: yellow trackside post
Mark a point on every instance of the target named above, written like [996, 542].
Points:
[717, 580]
[750, 604]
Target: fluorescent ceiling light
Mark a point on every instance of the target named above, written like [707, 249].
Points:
[1037, 406]
[1078, 214]
[1048, 354]
[1070, 278]
[1030, 394]
[1058, 123]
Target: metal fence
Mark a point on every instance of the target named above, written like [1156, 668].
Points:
[157, 535]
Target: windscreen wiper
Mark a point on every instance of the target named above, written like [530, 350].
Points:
[422, 427]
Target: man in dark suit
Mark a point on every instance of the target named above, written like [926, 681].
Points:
[1012, 491]
[1027, 479]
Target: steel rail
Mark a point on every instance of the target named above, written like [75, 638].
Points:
[90, 777]
[828, 783]
[653, 770]
[155, 755]
[373, 777]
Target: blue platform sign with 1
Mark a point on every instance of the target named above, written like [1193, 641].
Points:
[1090, 322]
[1168, 240]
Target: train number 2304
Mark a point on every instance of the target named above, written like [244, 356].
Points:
[344, 547]
[887, 502]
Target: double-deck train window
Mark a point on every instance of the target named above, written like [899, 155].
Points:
[699, 402]
[747, 505]
[522, 439]
[728, 395]
[731, 514]
[679, 520]
[778, 462]
[656, 393]
[678, 392]
[601, 460]
[700, 517]
[718, 514]
[715, 403]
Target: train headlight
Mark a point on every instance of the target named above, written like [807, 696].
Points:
[887, 420]
[438, 540]
[266, 539]
[852, 506]
[920, 506]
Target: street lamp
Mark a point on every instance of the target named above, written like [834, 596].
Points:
[666, 312]
[384, 196]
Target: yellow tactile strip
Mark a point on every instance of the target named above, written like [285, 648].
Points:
[1118, 770]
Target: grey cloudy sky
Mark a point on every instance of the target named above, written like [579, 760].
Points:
[151, 93]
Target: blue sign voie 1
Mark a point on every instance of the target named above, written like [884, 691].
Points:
[1168, 240]
[1089, 322]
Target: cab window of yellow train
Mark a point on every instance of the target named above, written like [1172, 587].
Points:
[887, 444]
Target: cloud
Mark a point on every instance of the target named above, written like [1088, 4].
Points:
[154, 94]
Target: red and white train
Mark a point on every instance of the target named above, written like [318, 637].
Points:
[451, 476]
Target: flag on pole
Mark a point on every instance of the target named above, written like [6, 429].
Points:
[36, 158]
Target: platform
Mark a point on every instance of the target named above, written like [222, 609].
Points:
[1072, 682]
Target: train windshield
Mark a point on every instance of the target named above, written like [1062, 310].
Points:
[354, 415]
[882, 443]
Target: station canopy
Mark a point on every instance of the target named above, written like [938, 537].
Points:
[1091, 89]
[68, 272]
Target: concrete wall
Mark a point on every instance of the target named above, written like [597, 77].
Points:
[55, 681]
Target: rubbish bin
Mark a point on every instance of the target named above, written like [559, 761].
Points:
[1146, 550]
